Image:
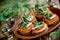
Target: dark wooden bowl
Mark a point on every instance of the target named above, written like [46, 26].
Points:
[54, 10]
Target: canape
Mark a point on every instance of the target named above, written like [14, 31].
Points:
[51, 19]
[29, 18]
[25, 28]
[39, 27]
[40, 13]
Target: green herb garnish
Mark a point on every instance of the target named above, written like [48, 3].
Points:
[37, 23]
[48, 15]
[40, 11]
[29, 17]
[24, 18]
[44, 10]
[37, 6]
[24, 24]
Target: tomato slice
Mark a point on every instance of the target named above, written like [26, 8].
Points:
[28, 29]
[51, 20]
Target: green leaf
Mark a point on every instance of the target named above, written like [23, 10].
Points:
[24, 18]
[25, 4]
[40, 23]
[40, 11]
[44, 10]
[37, 1]
[6, 2]
[48, 15]
[24, 24]
[7, 13]
[25, 10]
[42, 4]
[37, 6]
[15, 10]
[37, 23]
[1, 11]
[53, 34]
[1, 18]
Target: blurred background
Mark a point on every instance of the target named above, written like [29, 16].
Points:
[10, 12]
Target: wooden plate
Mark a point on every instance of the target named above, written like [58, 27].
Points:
[54, 10]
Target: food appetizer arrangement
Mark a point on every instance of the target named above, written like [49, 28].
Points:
[31, 25]
[39, 27]
[51, 19]
[47, 16]
[36, 19]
